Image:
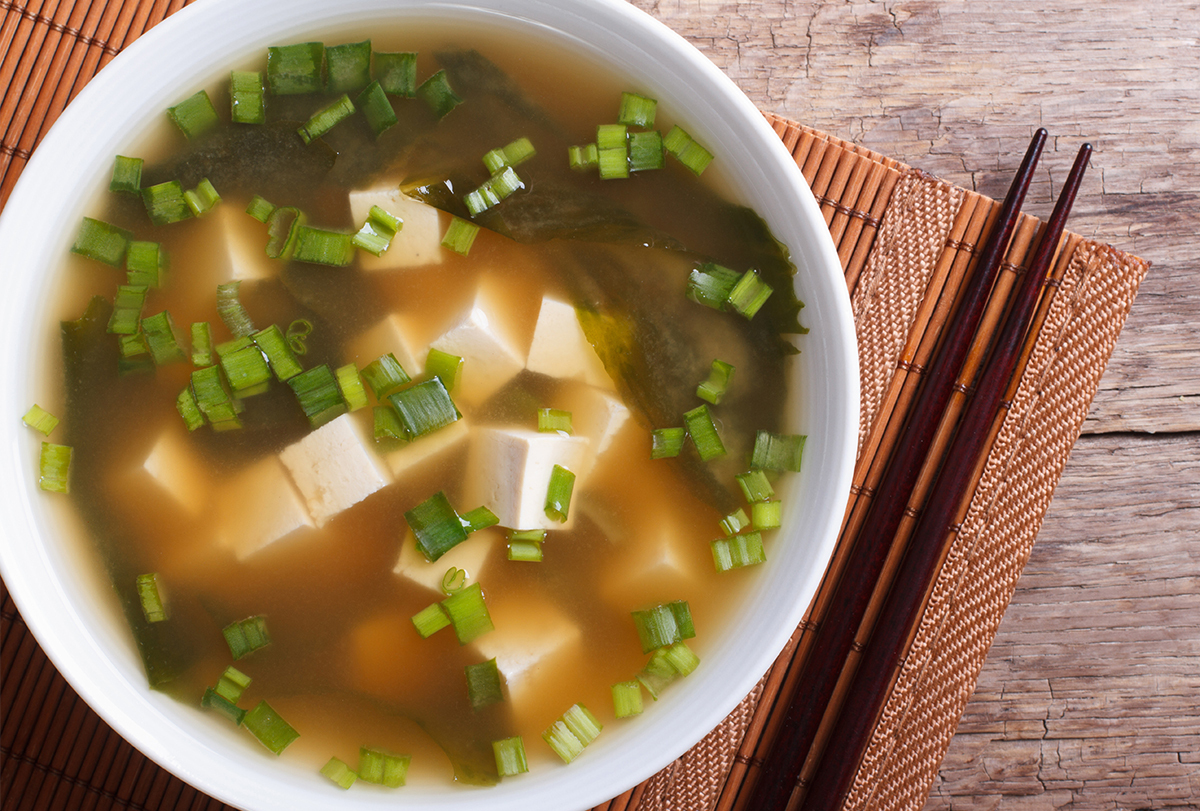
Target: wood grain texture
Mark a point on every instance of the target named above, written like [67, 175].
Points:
[1089, 697]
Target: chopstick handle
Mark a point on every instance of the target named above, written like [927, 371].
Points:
[871, 680]
[851, 596]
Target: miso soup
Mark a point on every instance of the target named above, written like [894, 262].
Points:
[360, 471]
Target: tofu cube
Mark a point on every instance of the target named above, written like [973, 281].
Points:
[395, 334]
[472, 556]
[174, 467]
[489, 345]
[335, 467]
[509, 473]
[536, 648]
[239, 246]
[596, 413]
[560, 349]
[417, 455]
[419, 240]
[259, 506]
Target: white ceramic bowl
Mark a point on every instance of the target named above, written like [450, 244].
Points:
[73, 612]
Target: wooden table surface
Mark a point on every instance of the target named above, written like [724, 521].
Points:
[1090, 697]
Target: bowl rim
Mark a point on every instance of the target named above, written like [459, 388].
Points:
[32, 572]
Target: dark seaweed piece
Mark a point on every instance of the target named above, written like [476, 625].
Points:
[472, 74]
[336, 295]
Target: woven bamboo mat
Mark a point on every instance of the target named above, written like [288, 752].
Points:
[906, 241]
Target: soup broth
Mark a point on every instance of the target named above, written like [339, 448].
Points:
[230, 529]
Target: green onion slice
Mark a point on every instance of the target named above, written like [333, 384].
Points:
[572, 732]
[424, 408]
[510, 756]
[319, 396]
[384, 375]
[430, 620]
[387, 426]
[436, 525]
[397, 73]
[627, 698]
[710, 284]
[766, 515]
[782, 452]
[735, 522]
[293, 69]
[666, 442]
[246, 636]
[740, 550]
[101, 241]
[271, 730]
[558, 493]
[749, 294]
[246, 104]
[127, 175]
[282, 225]
[646, 151]
[325, 119]
[40, 420]
[553, 420]
[202, 345]
[703, 431]
[166, 203]
[637, 110]
[232, 684]
[195, 115]
[437, 93]
[383, 768]
[337, 771]
[584, 157]
[444, 366]
[479, 518]
[202, 198]
[279, 353]
[755, 486]
[229, 307]
[351, 385]
[162, 338]
[153, 608]
[322, 247]
[188, 409]
[213, 700]
[664, 624]
[687, 150]
[260, 208]
[144, 262]
[348, 66]
[460, 235]
[126, 318]
[468, 614]
[719, 377]
[376, 108]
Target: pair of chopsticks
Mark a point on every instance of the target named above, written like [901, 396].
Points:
[777, 784]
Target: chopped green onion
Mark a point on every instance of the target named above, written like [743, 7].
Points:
[246, 104]
[195, 115]
[646, 151]
[553, 420]
[293, 69]
[384, 375]
[325, 119]
[468, 614]
[397, 73]
[496, 188]
[749, 294]
[127, 175]
[202, 346]
[437, 93]
[460, 235]
[525, 551]
[372, 238]
[387, 425]
[454, 580]
[710, 284]
[153, 608]
[351, 385]
[337, 771]
[685, 148]
[719, 377]
[319, 395]
[572, 732]
[126, 315]
[348, 66]
[323, 247]
[166, 203]
[424, 408]
[481, 199]
[436, 525]
[430, 620]
[483, 684]
[144, 262]
[202, 198]
[664, 624]
[232, 684]
[611, 136]
[229, 307]
[479, 518]
[512, 154]
[213, 700]
[637, 110]
[279, 354]
[738, 551]
[40, 420]
[162, 339]
[260, 208]
[666, 442]
[246, 369]
[101, 241]
[383, 768]
[682, 658]
[135, 354]
[766, 514]
[444, 366]
[213, 398]
[703, 431]
[376, 108]
[510, 756]
[627, 698]
[777, 451]
[735, 522]
[272, 731]
[613, 163]
[558, 493]
[282, 225]
[583, 157]
[755, 486]
[186, 405]
[657, 674]
[246, 636]
[297, 332]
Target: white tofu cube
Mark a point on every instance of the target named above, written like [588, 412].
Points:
[258, 507]
[536, 648]
[597, 414]
[489, 345]
[560, 349]
[419, 240]
[396, 334]
[175, 468]
[509, 472]
[471, 556]
[335, 467]
[238, 246]
[414, 457]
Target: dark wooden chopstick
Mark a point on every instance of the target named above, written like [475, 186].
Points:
[869, 687]
[834, 636]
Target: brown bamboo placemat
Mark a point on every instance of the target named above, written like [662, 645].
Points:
[905, 241]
